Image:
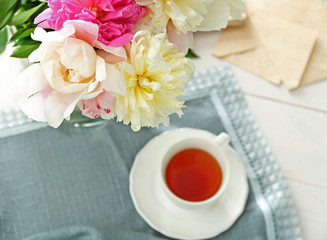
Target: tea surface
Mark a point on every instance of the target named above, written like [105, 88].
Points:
[193, 175]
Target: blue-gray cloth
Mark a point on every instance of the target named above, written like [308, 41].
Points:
[72, 183]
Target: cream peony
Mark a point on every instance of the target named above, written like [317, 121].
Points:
[237, 7]
[155, 75]
[192, 15]
[68, 71]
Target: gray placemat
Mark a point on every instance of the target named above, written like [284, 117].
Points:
[72, 183]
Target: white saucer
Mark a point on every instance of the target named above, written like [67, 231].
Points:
[174, 221]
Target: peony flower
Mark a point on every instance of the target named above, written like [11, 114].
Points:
[191, 15]
[85, 31]
[155, 75]
[115, 18]
[101, 104]
[68, 71]
[237, 7]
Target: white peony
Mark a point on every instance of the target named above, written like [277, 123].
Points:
[237, 7]
[67, 71]
[192, 15]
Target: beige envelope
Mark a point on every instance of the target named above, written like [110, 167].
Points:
[280, 41]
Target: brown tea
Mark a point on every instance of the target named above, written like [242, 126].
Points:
[193, 175]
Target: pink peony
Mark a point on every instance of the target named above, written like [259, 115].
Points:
[101, 104]
[115, 18]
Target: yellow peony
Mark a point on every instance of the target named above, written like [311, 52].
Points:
[155, 75]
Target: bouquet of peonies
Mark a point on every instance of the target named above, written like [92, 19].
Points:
[120, 59]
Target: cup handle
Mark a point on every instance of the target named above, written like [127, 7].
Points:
[222, 139]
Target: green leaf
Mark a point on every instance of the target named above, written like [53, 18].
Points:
[3, 39]
[4, 20]
[24, 16]
[26, 33]
[29, 5]
[191, 54]
[7, 7]
[16, 34]
[24, 50]
[22, 33]
[24, 41]
[7, 11]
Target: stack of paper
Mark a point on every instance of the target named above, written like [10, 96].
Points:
[281, 41]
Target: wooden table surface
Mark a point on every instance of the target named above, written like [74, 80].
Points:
[294, 124]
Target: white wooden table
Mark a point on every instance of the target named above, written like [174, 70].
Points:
[294, 124]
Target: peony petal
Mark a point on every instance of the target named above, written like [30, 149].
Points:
[237, 7]
[183, 41]
[55, 4]
[78, 55]
[115, 83]
[56, 36]
[106, 101]
[29, 82]
[122, 40]
[114, 19]
[73, 5]
[92, 94]
[52, 72]
[144, 2]
[42, 17]
[38, 54]
[86, 31]
[101, 105]
[118, 51]
[32, 89]
[109, 57]
[217, 16]
[101, 73]
[59, 106]
[33, 107]
[89, 108]
[105, 115]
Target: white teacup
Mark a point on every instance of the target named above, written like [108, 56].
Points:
[215, 148]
